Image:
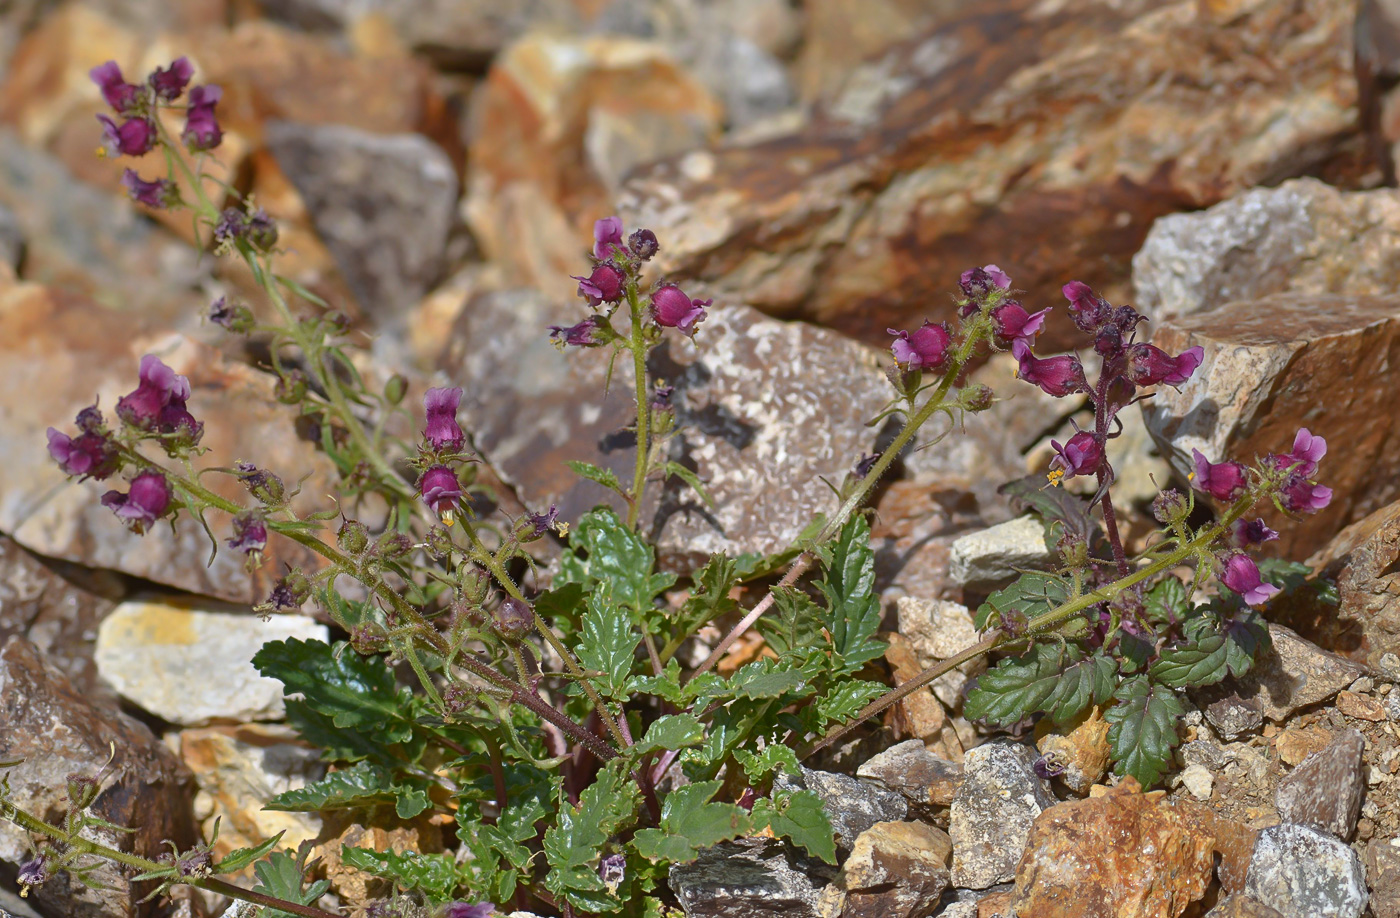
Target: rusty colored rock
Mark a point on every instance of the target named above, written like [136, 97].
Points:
[918, 714]
[1361, 707]
[1079, 747]
[1242, 906]
[840, 39]
[895, 870]
[1046, 138]
[1233, 842]
[380, 832]
[1295, 744]
[1122, 855]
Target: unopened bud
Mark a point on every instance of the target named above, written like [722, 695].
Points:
[291, 388]
[82, 789]
[368, 639]
[392, 545]
[1073, 549]
[352, 537]
[1171, 507]
[395, 389]
[472, 583]
[976, 397]
[456, 697]
[439, 542]
[643, 244]
[262, 484]
[513, 618]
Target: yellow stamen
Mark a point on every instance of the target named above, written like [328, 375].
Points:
[447, 518]
[562, 529]
[1056, 476]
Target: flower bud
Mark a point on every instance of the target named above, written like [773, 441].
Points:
[439, 542]
[368, 639]
[456, 696]
[236, 318]
[395, 389]
[287, 595]
[1073, 549]
[352, 537]
[290, 388]
[976, 397]
[393, 545]
[1171, 507]
[473, 584]
[198, 862]
[926, 347]
[643, 244]
[262, 484]
[976, 283]
[82, 789]
[513, 618]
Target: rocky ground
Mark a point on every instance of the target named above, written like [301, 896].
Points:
[436, 166]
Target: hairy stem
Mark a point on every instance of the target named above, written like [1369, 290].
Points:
[1110, 519]
[639, 372]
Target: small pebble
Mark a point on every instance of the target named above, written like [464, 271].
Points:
[1199, 781]
[1361, 707]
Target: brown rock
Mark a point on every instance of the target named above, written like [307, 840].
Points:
[1242, 906]
[918, 714]
[997, 137]
[1122, 855]
[1333, 360]
[1383, 877]
[1233, 842]
[920, 775]
[1325, 792]
[351, 884]
[1079, 747]
[556, 125]
[1361, 707]
[1295, 674]
[1365, 624]
[999, 904]
[58, 351]
[895, 870]
[46, 723]
[838, 37]
[937, 629]
[1295, 744]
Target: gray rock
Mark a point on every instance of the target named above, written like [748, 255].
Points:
[993, 557]
[1296, 674]
[46, 723]
[895, 870]
[1325, 792]
[750, 876]
[1242, 906]
[758, 433]
[11, 238]
[852, 804]
[383, 205]
[1305, 874]
[191, 667]
[1231, 714]
[992, 813]
[937, 629]
[922, 777]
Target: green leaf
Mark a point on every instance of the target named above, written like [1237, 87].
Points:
[1084, 682]
[608, 644]
[357, 693]
[689, 823]
[798, 624]
[1142, 731]
[359, 785]
[1032, 594]
[562, 607]
[709, 595]
[1167, 601]
[1019, 686]
[1053, 505]
[605, 477]
[674, 731]
[774, 757]
[1246, 638]
[242, 857]
[1201, 662]
[853, 610]
[616, 557]
[336, 744]
[849, 696]
[432, 875]
[798, 815]
[282, 876]
[574, 845]
[501, 854]
[764, 679]
[676, 470]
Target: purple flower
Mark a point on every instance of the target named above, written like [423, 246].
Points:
[160, 386]
[169, 82]
[661, 398]
[540, 523]
[612, 870]
[584, 334]
[440, 489]
[604, 285]
[1241, 574]
[249, 533]
[1148, 365]
[90, 420]
[147, 501]
[257, 228]
[1308, 451]
[33, 872]
[1013, 322]
[159, 194]
[671, 308]
[1086, 308]
[124, 97]
[1302, 496]
[134, 137]
[864, 464]
[89, 455]
[470, 910]
[287, 594]
[643, 244]
[442, 431]
[977, 282]
[1244, 533]
[926, 347]
[1082, 455]
[1057, 376]
[607, 237]
[1223, 481]
[236, 318]
[1048, 766]
[202, 131]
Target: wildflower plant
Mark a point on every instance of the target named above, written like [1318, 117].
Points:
[557, 729]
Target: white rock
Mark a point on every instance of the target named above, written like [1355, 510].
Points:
[1198, 780]
[937, 629]
[991, 557]
[1306, 874]
[191, 667]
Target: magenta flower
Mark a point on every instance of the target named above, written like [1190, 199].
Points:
[607, 237]
[249, 533]
[1244, 533]
[1308, 451]
[643, 244]
[584, 334]
[1082, 455]
[977, 282]
[925, 348]
[159, 194]
[1057, 376]
[671, 308]
[1241, 574]
[604, 285]
[134, 137]
[1086, 308]
[125, 98]
[442, 431]
[147, 501]
[1302, 496]
[159, 388]
[440, 489]
[1224, 481]
[169, 82]
[89, 455]
[202, 131]
[1013, 322]
[1148, 365]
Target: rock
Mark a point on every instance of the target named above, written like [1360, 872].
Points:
[1360, 707]
[384, 205]
[992, 813]
[1124, 854]
[922, 777]
[919, 714]
[853, 805]
[46, 722]
[377, 830]
[1242, 907]
[11, 238]
[1305, 874]
[1295, 744]
[759, 435]
[1270, 361]
[1232, 841]
[991, 138]
[937, 629]
[1080, 748]
[1295, 674]
[192, 667]
[1231, 714]
[57, 352]
[1302, 236]
[556, 125]
[1361, 561]
[991, 558]
[1325, 792]
[895, 870]
[238, 771]
[750, 876]
[996, 904]
[1383, 877]
[838, 39]
[1198, 780]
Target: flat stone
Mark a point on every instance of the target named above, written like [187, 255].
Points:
[993, 557]
[992, 813]
[1331, 360]
[1305, 874]
[1198, 781]
[760, 436]
[1242, 906]
[1229, 712]
[47, 724]
[750, 876]
[852, 804]
[1297, 673]
[921, 776]
[919, 714]
[191, 667]
[1361, 560]
[1383, 877]
[1360, 707]
[383, 205]
[937, 629]
[1124, 854]
[895, 870]
[1325, 792]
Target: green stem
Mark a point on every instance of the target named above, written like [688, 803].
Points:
[639, 371]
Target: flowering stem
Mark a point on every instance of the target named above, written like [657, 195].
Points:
[639, 372]
[1110, 519]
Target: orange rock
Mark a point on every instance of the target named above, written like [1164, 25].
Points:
[1081, 747]
[1362, 707]
[1297, 743]
[918, 714]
